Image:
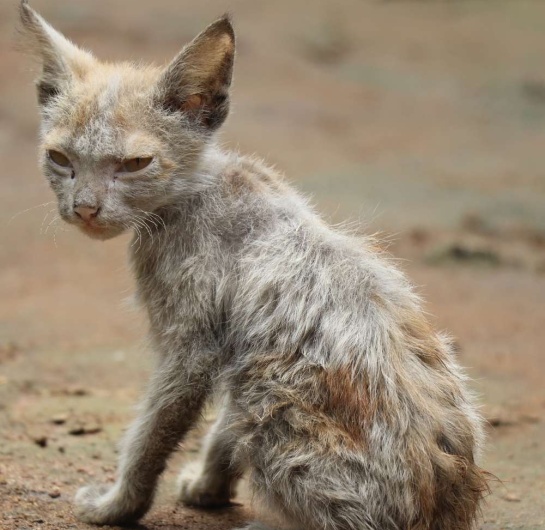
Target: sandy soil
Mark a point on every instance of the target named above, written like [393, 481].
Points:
[425, 120]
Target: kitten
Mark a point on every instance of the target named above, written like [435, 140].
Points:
[346, 408]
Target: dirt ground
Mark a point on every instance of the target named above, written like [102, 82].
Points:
[425, 120]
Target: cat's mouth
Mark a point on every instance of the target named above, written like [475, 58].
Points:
[92, 228]
[96, 231]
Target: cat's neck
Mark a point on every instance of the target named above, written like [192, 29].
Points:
[177, 221]
[202, 180]
[213, 162]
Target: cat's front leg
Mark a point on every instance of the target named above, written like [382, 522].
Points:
[172, 405]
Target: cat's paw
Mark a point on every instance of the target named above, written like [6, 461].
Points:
[198, 489]
[103, 506]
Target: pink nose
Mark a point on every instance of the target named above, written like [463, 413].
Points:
[85, 212]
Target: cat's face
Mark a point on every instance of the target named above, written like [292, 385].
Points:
[112, 154]
[121, 141]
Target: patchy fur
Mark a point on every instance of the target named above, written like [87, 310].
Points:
[346, 408]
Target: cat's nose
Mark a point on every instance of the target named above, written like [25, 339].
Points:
[86, 212]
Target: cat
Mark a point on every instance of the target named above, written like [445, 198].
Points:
[342, 404]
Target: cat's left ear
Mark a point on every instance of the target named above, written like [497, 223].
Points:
[61, 59]
[197, 81]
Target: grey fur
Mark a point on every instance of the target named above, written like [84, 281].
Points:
[348, 411]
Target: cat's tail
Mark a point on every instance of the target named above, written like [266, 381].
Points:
[459, 488]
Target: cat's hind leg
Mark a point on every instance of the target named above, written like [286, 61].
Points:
[211, 482]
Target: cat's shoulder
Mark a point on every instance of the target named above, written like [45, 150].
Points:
[248, 175]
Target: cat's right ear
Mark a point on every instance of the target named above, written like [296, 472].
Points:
[196, 83]
[61, 60]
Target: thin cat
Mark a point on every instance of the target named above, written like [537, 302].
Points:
[343, 405]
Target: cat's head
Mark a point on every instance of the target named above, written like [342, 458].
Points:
[120, 141]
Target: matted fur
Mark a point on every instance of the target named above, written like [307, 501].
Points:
[348, 410]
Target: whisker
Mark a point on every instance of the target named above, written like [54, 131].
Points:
[153, 217]
[45, 219]
[28, 210]
[55, 232]
[143, 224]
[151, 221]
[139, 237]
[56, 218]
[148, 228]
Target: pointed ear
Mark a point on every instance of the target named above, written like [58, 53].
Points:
[61, 60]
[197, 81]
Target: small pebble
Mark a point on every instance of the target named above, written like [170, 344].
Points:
[511, 497]
[77, 391]
[77, 431]
[40, 441]
[80, 430]
[59, 419]
[55, 493]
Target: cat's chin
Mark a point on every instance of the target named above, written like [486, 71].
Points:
[100, 232]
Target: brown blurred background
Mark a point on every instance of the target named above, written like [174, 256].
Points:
[422, 119]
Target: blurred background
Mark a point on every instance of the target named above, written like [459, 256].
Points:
[424, 120]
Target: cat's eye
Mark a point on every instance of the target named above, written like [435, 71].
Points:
[135, 164]
[58, 158]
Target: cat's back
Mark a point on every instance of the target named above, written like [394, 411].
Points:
[276, 223]
[296, 273]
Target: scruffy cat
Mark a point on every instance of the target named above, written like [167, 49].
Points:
[345, 407]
